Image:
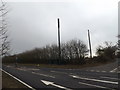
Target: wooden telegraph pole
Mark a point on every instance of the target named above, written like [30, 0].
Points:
[59, 41]
[89, 44]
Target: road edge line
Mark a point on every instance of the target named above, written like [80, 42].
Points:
[18, 80]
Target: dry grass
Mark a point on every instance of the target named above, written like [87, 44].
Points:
[65, 66]
[9, 82]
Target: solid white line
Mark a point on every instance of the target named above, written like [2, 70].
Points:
[93, 85]
[43, 75]
[19, 80]
[94, 79]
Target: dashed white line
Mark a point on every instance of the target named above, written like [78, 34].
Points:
[21, 69]
[8, 66]
[43, 75]
[92, 70]
[110, 78]
[69, 69]
[59, 72]
[103, 71]
[91, 79]
[97, 71]
[19, 80]
[92, 85]
[113, 70]
[118, 72]
[26, 69]
[35, 69]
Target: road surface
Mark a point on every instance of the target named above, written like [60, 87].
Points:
[68, 79]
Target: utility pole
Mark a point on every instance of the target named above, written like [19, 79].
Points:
[59, 42]
[89, 44]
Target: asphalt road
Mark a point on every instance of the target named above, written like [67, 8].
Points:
[111, 67]
[68, 79]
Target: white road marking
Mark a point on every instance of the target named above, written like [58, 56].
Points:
[113, 70]
[118, 72]
[92, 70]
[59, 72]
[93, 85]
[103, 71]
[21, 69]
[97, 80]
[52, 83]
[97, 71]
[35, 69]
[8, 66]
[26, 69]
[19, 80]
[110, 78]
[31, 69]
[43, 75]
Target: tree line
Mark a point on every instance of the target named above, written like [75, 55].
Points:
[72, 52]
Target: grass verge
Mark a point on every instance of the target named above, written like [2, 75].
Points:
[65, 66]
[9, 82]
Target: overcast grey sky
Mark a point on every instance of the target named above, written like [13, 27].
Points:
[34, 24]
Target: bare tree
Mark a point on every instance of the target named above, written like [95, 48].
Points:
[107, 52]
[4, 43]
